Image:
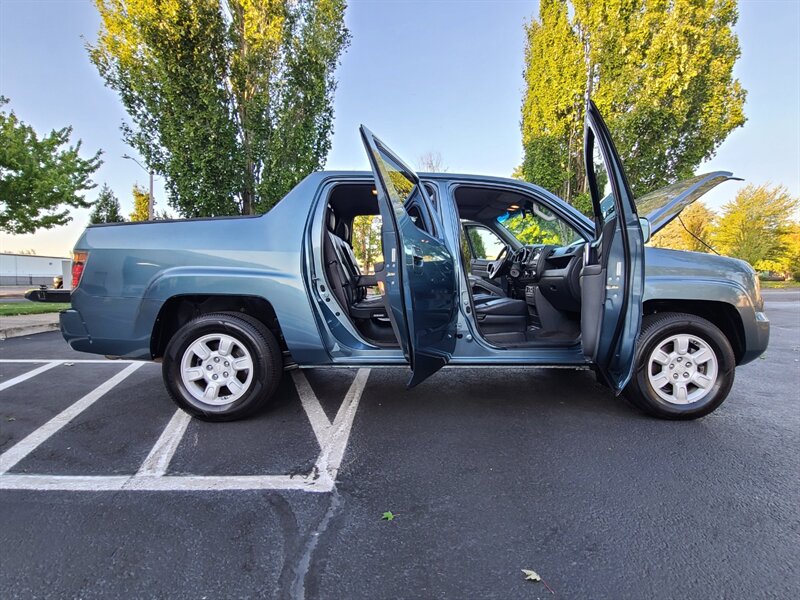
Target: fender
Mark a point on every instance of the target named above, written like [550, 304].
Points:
[283, 290]
[729, 291]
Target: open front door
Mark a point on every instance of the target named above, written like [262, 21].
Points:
[612, 279]
[419, 272]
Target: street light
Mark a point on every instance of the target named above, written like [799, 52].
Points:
[150, 202]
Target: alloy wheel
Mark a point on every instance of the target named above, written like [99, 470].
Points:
[682, 369]
[217, 369]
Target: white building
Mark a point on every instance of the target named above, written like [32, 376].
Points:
[25, 269]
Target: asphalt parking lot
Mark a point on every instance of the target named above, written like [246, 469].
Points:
[106, 490]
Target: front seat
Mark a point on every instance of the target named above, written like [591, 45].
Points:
[483, 291]
[502, 315]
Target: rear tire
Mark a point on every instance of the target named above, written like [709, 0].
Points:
[684, 367]
[222, 366]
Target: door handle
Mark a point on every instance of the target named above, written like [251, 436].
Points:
[417, 259]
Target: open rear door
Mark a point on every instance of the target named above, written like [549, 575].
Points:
[612, 279]
[419, 272]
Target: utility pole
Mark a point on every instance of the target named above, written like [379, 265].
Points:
[150, 201]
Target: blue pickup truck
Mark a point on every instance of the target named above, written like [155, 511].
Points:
[227, 304]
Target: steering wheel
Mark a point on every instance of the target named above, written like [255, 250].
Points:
[496, 267]
[541, 260]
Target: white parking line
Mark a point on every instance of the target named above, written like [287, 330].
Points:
[198, 483]
[105, 361]
[21, 449]
[151, 476]
[156, 463]
[25, 376]
[330, 459]
[316, 415]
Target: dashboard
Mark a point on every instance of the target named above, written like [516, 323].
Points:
[554, 270]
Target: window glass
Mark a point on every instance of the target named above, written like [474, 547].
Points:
[403, 192]
[432, 195]
[538, 225]
[486, 245]
[416, 217]
[604, 190]
[366, 242]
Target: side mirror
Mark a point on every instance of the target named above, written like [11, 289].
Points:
[645, 225]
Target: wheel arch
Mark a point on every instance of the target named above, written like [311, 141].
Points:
[723, 315]
[178, 310]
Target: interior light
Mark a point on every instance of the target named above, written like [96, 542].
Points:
[374, 192]
[513, 207]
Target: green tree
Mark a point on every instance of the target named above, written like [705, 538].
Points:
[106, 208]
[141, 204]
[476, 242]
[792, 261]
[754, 226]
[366, 238]
[231, 101]
[40, 178]
[530, 230]
[660, 71]
[698, 224]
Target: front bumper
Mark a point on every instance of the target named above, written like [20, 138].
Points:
[757, 338]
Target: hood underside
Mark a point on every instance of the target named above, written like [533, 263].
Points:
[663, 205]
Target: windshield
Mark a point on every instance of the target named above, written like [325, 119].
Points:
[537, 225]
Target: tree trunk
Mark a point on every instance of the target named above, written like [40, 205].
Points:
[587, 57]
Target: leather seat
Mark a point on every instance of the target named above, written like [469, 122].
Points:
[488, 291]
[344, 275]
[502, 315]
[503, 306]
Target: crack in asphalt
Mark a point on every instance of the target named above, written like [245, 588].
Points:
[303, 564]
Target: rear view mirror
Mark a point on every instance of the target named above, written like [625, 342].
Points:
[645, 225]
[540, 212]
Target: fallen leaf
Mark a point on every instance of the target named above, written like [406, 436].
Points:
[534, 576]
[531, 575]
[388, 516]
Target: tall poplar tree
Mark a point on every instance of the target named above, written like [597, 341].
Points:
[660, 71]
[231, 101]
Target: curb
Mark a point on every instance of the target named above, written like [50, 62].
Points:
[12, 332]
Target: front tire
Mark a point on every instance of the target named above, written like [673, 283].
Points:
[684, 367]
[222, 366]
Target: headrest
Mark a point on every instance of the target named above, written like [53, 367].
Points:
[345, 233]
[331, 220]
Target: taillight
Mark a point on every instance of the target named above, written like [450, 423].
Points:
[78, 261]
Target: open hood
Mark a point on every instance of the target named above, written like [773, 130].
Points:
[663, 205]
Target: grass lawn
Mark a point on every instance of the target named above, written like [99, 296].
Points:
[780, 285]
[9, 309]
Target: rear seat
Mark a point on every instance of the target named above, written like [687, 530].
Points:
[344, 275]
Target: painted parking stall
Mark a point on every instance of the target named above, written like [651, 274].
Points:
[487, 472]
[134, 439]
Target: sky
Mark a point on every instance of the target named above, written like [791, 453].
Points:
[426, 76]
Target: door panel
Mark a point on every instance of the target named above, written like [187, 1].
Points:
[612, 279]
[419, 271]
[479, 267]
